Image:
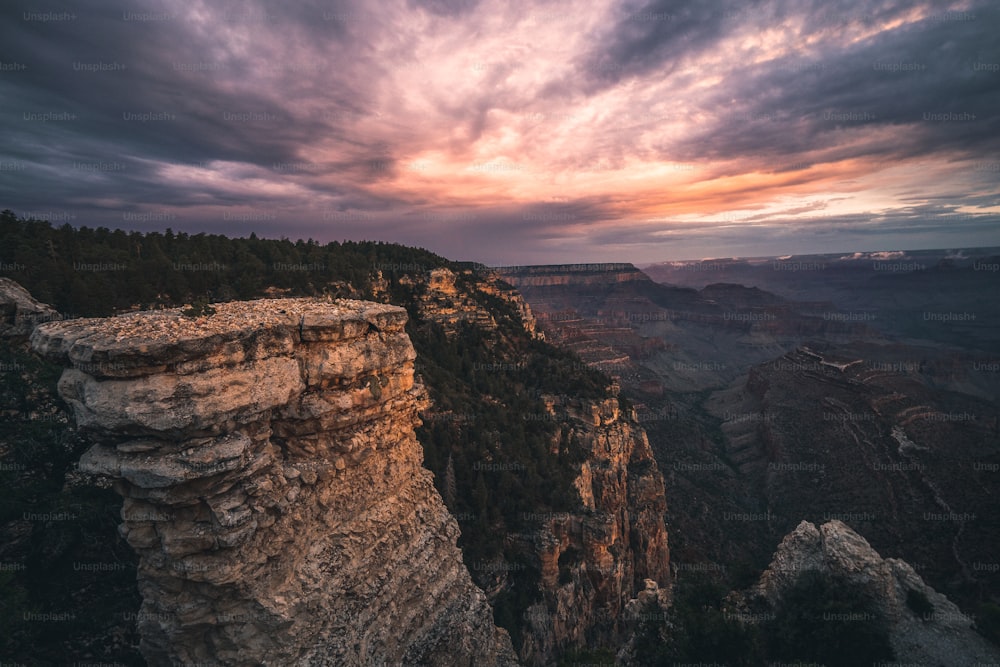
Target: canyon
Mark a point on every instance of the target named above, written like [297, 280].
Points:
[303, 479]
[763, 410]
[267, 460]
[595, 557]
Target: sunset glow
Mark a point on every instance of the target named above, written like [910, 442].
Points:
[513, 132]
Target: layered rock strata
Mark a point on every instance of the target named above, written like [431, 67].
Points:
[596, 561]
[571, 274]
[273, 485]
[443, 299]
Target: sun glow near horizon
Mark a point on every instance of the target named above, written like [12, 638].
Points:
[680, 127]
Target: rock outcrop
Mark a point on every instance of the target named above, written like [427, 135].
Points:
[595, 561]
[443, 299]
[19, 311]
[273, 485]
[943, 636]
[857, 433]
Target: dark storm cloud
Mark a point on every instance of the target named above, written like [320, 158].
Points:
[486, 131]
[110, 91]
[138, 86]
[921, 77]
[807, 104]
[656, 36]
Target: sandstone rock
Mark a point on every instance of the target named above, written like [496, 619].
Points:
[274, 487]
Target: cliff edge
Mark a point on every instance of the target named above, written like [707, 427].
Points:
[273, 485]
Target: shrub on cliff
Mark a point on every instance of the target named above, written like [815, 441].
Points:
[199, 308]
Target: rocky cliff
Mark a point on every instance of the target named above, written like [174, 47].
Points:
[596, 560]
[939, 635]
[273, 485]
[443, 299]
[19, 311]
[593, 557]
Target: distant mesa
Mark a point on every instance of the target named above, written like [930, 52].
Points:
[571, 274]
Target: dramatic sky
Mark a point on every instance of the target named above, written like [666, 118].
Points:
[512, 132]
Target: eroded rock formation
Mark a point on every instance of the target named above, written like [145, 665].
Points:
[273, 485]
[19, 311]
[941, 636]
[595, 561]
[443, 299]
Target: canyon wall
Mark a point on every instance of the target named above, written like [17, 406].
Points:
[273, 485]
[839, 433]
[596, 560]
[442, 298]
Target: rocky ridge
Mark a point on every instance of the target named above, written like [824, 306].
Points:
[571, 274]
[943, 636]
[273, 485]
[847, 433]
[19, 311]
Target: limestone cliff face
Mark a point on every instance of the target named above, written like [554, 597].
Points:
[942, 637]
[496, 286]
[596, 560]
[273, 485]
[444, 301]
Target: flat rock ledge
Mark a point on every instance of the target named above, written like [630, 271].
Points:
[273, 485]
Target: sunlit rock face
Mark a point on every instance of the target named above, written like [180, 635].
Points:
[441, 298]
[273, 485]
[596, 562]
